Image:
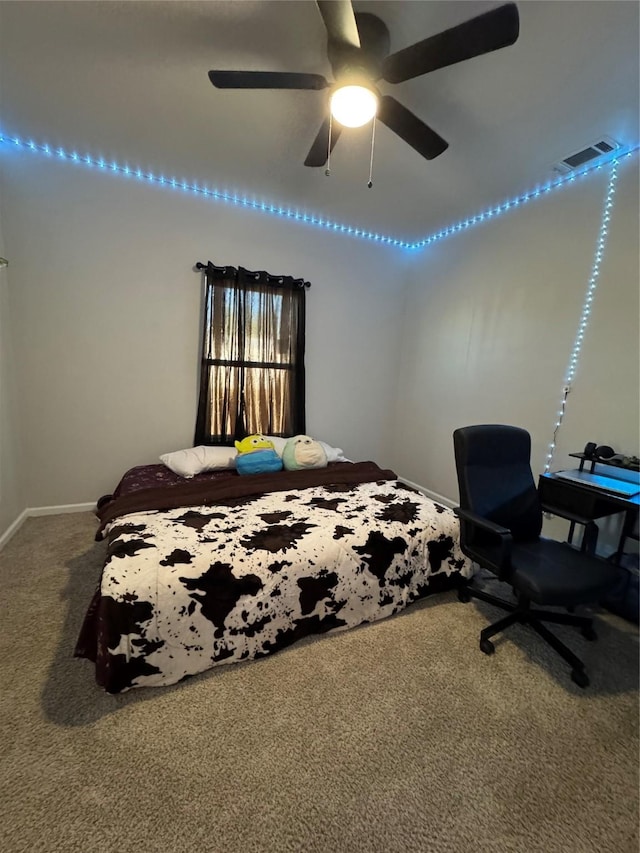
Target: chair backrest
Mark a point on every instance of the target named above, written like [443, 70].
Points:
[493, 463]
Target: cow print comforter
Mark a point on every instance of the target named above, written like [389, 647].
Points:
[190, 587]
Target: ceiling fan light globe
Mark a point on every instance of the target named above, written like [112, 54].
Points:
[353, 106]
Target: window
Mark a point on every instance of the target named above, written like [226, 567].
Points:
[252, 369]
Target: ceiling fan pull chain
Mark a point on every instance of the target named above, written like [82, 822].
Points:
[373, 139]
[328, 169]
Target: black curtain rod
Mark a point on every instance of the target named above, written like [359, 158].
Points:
[256, 273]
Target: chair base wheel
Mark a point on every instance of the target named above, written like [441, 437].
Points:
[580, 677]
[487, 647]
[463, 595]
[589, 634]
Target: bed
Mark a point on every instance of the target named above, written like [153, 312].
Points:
[222, 568]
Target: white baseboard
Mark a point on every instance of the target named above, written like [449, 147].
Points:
[32, 511]
[13, 528]
[434, 496]
[59, 510]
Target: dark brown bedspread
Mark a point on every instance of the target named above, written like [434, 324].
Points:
[156, 474]
[192, 493]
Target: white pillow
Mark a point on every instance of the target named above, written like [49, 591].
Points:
[278, 443]
[195, 460]
[334, 454]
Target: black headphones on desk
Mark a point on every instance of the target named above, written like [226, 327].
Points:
[593, 451]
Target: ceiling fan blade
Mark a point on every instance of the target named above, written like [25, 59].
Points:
[410, 128]
[266, 80]
[490, 31]
[340, 21]
[317, 155]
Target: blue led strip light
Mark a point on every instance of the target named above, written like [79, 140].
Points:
[321, 222]
[586, 307]
[498, 210]
[173, 183]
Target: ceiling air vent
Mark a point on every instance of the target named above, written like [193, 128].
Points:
[585, 155]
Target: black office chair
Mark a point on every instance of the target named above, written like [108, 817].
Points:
[500, 523]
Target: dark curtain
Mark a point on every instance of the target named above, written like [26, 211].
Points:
[252, 370]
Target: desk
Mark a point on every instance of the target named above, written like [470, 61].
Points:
[582, 504]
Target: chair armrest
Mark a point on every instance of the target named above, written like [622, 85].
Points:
[501, 565]
[481, 521]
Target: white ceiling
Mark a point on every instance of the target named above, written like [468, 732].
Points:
[128, 81]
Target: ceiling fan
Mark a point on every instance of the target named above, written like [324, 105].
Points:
[358, 52]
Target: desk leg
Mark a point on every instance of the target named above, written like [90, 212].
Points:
[590, 538]
[628, 527]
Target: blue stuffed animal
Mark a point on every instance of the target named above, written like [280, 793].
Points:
[256, 455]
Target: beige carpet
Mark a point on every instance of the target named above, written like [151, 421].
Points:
[393, 737]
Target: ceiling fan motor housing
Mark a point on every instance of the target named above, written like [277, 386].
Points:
[364, 61]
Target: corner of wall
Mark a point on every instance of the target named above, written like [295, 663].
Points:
[12, 503]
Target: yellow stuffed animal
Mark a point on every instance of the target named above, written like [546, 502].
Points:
[256, 455]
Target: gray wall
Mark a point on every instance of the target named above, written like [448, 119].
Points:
[401, 349]
[105, 310]
[490, 318]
